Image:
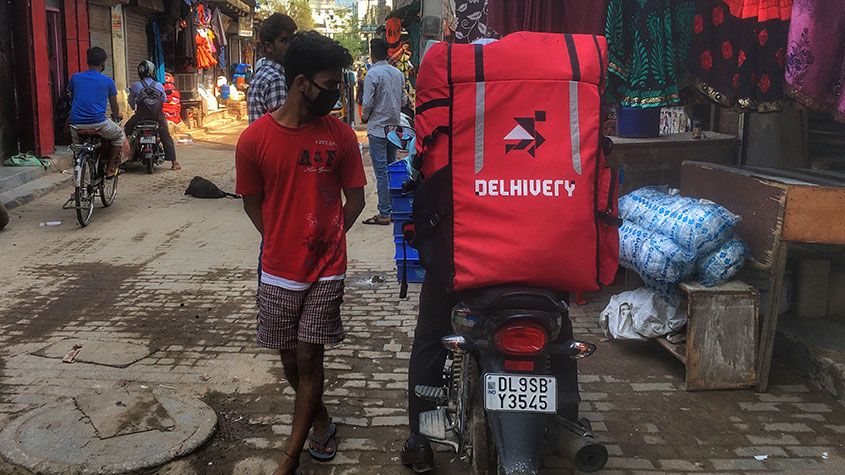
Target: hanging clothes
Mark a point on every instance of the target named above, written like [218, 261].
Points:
[414, 33]
[205, 56]
[186, 32]
[648, 47]
[468, 20]
[221, 57]
[218, 28]
[739, 52]
[815, 55]
[154, 45]
[561, 16]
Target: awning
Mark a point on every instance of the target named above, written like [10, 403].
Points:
[109, 3]
[147, 6]
[407, 12]
[233, 8]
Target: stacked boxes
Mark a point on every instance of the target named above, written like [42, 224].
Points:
[401, 205]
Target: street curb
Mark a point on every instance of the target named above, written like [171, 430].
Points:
[30, 191]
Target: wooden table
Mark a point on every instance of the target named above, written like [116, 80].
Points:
[778, 208]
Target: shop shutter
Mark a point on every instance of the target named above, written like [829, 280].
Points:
[136, 42]
[99, 25]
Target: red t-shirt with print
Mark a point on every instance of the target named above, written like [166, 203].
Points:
[301, 173]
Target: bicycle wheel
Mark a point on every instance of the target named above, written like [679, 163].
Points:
[108, 188]
[84, 193]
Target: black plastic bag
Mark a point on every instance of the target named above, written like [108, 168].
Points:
[202, 188]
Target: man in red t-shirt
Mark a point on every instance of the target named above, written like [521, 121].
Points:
[292, 165]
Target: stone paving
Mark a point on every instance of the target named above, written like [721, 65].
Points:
[178, 274]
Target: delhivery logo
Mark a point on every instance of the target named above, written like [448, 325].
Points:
[524, 187]
[525, 135]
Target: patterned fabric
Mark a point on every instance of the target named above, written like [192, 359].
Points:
[468, 20]
[286, 317]
[267, 90]
[648, 45]
[815, 57]
[739, 52]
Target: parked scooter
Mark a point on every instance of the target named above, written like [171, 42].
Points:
[510, 382]
[147, 148]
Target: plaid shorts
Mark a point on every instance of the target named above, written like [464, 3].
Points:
[286, 317]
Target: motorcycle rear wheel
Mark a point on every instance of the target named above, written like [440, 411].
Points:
[483, 457]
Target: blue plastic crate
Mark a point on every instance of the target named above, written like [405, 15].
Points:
[401, 204]
[398, 220]
[398, 174]
[416, 273]
[413, 254]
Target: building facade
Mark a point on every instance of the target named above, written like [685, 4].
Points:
[44, 42]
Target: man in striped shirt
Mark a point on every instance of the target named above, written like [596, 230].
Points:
[267, 90]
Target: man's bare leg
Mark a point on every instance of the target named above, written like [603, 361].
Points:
[113, 160]
[322, 421]
[304, 371]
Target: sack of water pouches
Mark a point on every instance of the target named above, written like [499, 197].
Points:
[698, 226]
[721, 264]
[653, 256]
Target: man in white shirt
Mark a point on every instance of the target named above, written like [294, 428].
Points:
[383, 99]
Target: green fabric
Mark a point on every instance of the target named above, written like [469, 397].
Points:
[27, 159]
[648, 45]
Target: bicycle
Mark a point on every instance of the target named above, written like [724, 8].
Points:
[89, 175]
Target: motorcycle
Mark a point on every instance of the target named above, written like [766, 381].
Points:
[507, 385]
[510, 380]
[146, 145]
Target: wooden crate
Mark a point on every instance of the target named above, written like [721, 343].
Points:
[721, 347]
[779, 208]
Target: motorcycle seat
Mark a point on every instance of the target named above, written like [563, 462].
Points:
[88, 133]
[514, 298]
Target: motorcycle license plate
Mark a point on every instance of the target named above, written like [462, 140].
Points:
[520, 393]
[148, 139]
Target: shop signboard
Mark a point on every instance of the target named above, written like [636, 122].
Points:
[245, 26]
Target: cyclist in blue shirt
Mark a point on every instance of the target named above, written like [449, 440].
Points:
[92, 92]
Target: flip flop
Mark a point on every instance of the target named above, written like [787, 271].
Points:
[330, 439]
[377, 220]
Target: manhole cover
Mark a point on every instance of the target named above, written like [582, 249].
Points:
[106, 353]
[60, 438]
[124, 412]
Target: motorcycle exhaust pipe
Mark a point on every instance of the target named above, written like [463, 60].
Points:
[576, 443]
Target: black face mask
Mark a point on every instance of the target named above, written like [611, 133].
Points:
[325, 100]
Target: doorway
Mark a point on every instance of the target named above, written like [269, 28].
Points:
[57, 60]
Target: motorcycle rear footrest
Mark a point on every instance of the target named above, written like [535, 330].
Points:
[434, 424]
[433, 394]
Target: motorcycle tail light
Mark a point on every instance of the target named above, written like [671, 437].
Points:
[521, 366]
[147, 132]
[521, 338]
